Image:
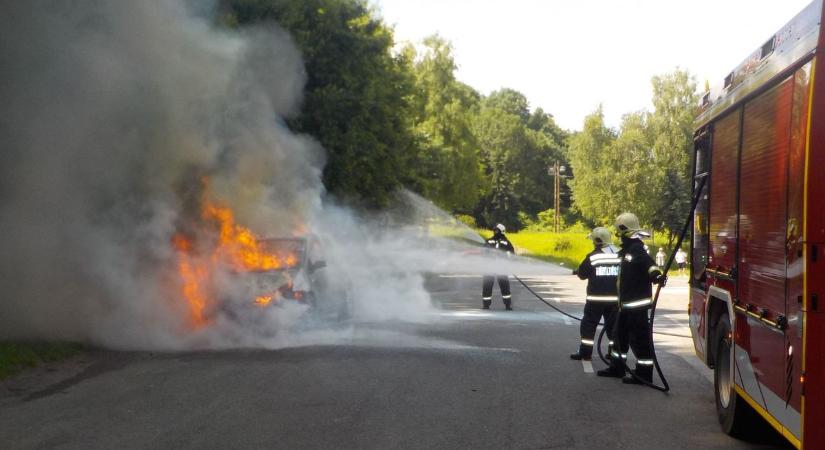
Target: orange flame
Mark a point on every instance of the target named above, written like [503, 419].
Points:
[194, 278]
[237, 247]
[263, 300]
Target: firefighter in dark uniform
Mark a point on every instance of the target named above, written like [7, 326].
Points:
[601, 270]
[636, 273]
[498, 241]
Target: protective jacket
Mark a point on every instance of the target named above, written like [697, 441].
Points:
[637, 270]
[500, 242]
[601, 270]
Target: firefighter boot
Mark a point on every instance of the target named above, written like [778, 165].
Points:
[639, 374]
[486, 304]
[585, 353]
[578, 356]
[508, 304]
[612, 371]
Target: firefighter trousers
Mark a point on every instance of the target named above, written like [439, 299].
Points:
[593, 313]
[503, 285]
[633, 331]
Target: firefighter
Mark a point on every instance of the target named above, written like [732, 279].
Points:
[498, 241]
[636, 273]
[601, 269]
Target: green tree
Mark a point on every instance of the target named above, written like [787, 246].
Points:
[516, 147]
[545, 146]
[676, 104]
[357, 94]
[588, 157]
[628, 162]
[645, 167]
[448, 171]
[510, 101]
[501, 136]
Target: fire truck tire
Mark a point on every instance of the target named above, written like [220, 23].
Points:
[735, 416]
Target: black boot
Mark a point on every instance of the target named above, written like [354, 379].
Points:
[639, 374]
[486, 304]
[580, 356]
[508, 305]
[612, 371]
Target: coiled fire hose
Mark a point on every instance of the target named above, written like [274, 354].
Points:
[665, 386]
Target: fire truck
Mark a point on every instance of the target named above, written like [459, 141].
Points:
[757, 286]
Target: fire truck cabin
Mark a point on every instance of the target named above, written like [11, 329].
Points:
[757, 312]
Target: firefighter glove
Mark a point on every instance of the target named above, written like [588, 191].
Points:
[660, 279]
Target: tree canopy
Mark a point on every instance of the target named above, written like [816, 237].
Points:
[393, 117]
[645, 167]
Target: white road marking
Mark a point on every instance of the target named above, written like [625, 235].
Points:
[587, 366]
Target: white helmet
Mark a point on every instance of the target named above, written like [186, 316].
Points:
[500, 227]
[600, 236]
[627, 225]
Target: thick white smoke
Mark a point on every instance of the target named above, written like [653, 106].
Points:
[113, 115]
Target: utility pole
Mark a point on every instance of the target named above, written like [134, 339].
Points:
[556, 172]
[556, 197]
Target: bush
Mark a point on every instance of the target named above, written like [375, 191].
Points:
[579, 227]
[563, 245]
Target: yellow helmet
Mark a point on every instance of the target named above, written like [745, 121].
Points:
[627, 224]
[600, 236]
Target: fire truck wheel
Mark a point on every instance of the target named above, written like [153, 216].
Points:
[735, 415]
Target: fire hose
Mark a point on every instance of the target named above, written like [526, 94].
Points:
[665, 386]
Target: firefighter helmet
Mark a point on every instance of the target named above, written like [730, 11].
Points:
[627, 224]
[500, 228]
[600, 236]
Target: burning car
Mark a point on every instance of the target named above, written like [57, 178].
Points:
[227, 271]
[303, 279]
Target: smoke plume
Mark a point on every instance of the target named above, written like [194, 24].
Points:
[118, 120]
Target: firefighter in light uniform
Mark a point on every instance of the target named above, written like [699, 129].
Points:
[498, 241]
[601, 269]
[636, 273]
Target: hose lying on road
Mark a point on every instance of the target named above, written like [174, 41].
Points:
[579, 319]
[598, 344]
[665, 386]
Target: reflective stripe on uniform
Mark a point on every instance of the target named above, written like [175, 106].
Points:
[506, 297]
[637, 303]
[486, 298]
[602, 298]
[587, 342]
[644, 362]
[603, 256]
[616, 354]
[606, 262]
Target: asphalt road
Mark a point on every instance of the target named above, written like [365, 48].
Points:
[465, 379]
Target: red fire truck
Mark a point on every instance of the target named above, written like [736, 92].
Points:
[757, 312]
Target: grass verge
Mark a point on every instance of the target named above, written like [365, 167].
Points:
[566, 248]
[17, 356]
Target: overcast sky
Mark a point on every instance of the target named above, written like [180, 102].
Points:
[567, 56]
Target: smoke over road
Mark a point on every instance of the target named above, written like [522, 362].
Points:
[119, 122]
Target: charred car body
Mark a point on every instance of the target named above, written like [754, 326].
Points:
[303, 279]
